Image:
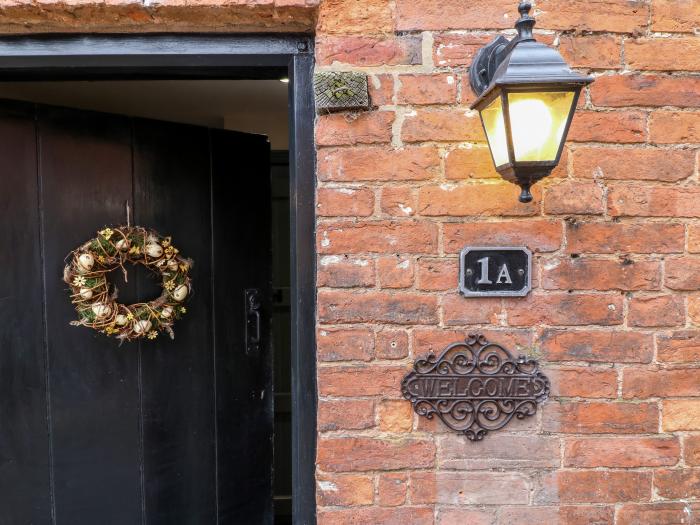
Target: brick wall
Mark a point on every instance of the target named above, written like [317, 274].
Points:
[615, 310]
[616, 292]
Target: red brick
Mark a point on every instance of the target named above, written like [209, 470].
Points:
[694, 308]
[593, 51]
[666, 127]
[373, 307]
[345, 489]
[354, 128]
[395, 272]
[361, 50]
[645, 383]
[498, 451]
[677, 483]
[470, 163]
[691, 449]
[633, 164]
[450, 14]
[340, 272]
[355, 16]
[681, 16]
[377, 515]
[435, 340]
[562, 515]
[398, 201]
[600, 274]
[353, 381]
[442, 125]
[126, 16]
[468, 488]
[345, 415]
[638, 513]
[392, 489]
[621, 452]
[451, 49]
[682, 273]
[381, 89]
[344, 345]
[380, 164]
[597, 346]
[663, 54]
[617, 127]
[681, 414]
[363, 454]
[600, 417]
[377, 237]
[617, 16]
[344, 202]
[436, 88]
[693, 238]
[538, 235]
[456, 310]
[646, 90]
[391, 344]
[437, 274]
[464, 516]
[645, 201]
[679, 347]
[625, 238]
[475, 199]
[564, 309]
[595, 486]
[574, 197]
[664, 310]
[583, 382]
[395, 415]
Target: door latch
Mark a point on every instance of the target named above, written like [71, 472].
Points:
[252, 320]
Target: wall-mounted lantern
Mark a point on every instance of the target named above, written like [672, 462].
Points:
[527, 96]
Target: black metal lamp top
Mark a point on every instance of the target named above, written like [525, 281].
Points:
[527, 95]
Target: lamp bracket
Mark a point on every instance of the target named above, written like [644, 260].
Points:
[485, 63]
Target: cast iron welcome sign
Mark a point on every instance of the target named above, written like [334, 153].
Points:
[475, 386]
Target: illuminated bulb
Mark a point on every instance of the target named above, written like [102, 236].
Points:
[531, 125]
[284, 80]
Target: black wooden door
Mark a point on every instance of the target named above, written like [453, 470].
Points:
[155, 432]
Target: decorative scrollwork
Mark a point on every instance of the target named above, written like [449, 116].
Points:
[475, 386]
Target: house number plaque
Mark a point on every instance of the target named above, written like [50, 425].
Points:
[495, 271]
[475, 386]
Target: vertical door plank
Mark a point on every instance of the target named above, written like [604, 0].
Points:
[24, 443]
[242, 259]
[85, 167]
[171, 174]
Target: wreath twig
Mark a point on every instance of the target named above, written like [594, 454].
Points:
[95, 299]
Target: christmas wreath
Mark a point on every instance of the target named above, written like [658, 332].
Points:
[95, 299]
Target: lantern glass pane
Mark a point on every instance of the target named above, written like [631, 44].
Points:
[492, 117]
[537, 123]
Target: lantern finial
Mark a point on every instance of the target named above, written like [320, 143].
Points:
[525, 23]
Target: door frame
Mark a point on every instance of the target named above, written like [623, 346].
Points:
[217, 56]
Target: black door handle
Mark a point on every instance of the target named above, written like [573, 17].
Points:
[252, 320]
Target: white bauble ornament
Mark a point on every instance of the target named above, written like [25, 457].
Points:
[101, 310]
[141, 327]
[166, 312]
[122, 245]
[172, 265]
[85, 262]
[180, 292]
[86, 293]
[121, 320]
[154, 250]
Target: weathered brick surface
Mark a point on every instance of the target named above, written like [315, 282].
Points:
[614, 316]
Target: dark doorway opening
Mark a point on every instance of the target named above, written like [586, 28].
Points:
[207, 59]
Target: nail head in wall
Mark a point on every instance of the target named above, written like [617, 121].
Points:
[340, 91]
